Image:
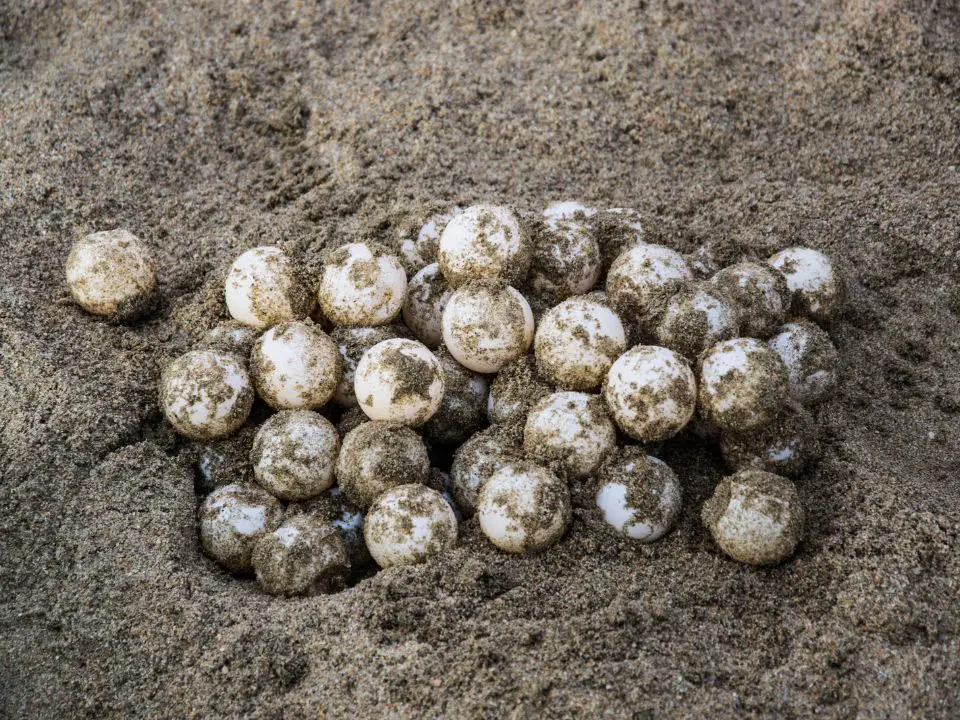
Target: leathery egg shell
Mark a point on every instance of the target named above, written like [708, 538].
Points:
[295, 365]
[232, 519]
[643, 279]
[427, 296]
[811, 359]
[399, 380]
[377, 456]
[206, 394]
[816, 287]
[264, 287]
[477, 460]
[570, 431]
[565, 260]
[638, 495]
[486, 328]
[484, 243]
[409, 524]
[298, 555]
[111, 273]
[787, 446]
[361, 284]
[294, 454]
[760, 294]
[696, 319]
[353, 342]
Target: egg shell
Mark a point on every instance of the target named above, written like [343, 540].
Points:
[264, 287]
[333, 508]
[486, 328]
[569, 432]
[206, 394]
[377, 456]
[362, 284]
[642, 280]
[232, 519]
[788, 446]
[417, 244]
[638, 495]
[760, 294]
[231, 336]
[409, 524]
[399, 380]
[565, 259]
[478, 459]
[696, 319]
[295, 558]
[112, 274]
[463, 409]
[567, 210]
[515, 389]
[295, 366]
[427, 296]
[616, 230]
[816, 288]
[294, 454]
[352, 343]
[813, 363]
[484, 244]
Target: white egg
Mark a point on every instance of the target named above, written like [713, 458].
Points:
[361, 284]
[567, 210]
[565, 260]
[230, 337]
[377, 456]
[264, 287]
[524, 508]
[484, 243]
[642, 280]
[111, 273]
[421, 250]
[486, 328]
[295, 365]
[638, 495]
[409, 524]
[297, 556]
[476, 461]
[294, 454]
[206, 394]
[399, 380]
[816, 286]
[760, 294]
[813, 363]
[651, 393]
[232, 519]
[577, 342]
[352, 343]
[427, 296]
[697, 318]
[570, 431]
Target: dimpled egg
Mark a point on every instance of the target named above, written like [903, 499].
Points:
[427, 296]
[638, 495]
[811, 359]
[569, 431]
[232, 519]
[294, 454]
[695, 319]
[264, 287]
[755, 517]
[651, 393]
[295, 365]
[476, 461]
[296, 557]
[787, 446]
[362, 284]
[523, 508]
[377, 456]
[352, 343]
[642, 280]
[206, 394]
[743, 385]
[759, 292]
[399, 380]
[515, 389]
[565, 259]
[463, 410]
[486, 328]
[815, 285]
[577, 342]
[486, 244]
[409, 524]
[111, 273]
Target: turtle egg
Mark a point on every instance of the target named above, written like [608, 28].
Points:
[515, 389]
[570, 431]
[463, 410]
[427, 296]
[361, 284]
[377, 456]
[298, 555]
[643, 279]
[811, 359]
[354, 417]
[651, 393]
[486, 328]
[399, 380]
[759, 292]
[232, 519]
[111, 273]
[577, 342]
[294, 454]
[695, 319]
[616, 230]
[333, 508]
[230, 337]
[295, 365]
[523, 508]
[703, 262]
[787, 446]
[743, 385]
[264, 287]
[206, 394]
[478, 459]
[816, 287]
[409, 524]
[421, 250]
[567, 210]
[755, 517]
[565, 260]
[353, 342]
[484, 243]
[638, 495]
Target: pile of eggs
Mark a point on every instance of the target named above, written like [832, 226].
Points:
[546, 358]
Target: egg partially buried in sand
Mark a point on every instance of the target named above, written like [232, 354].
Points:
[206, 394]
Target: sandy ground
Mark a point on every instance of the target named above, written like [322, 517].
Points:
[206, 131]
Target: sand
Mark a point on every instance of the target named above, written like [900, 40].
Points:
[751, 126]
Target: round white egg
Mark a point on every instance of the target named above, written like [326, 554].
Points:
[813, 363]
[409, 524]
[361, 284]
[400, 381]
[570, 431]
[111, 273]
[206, 394]
[758, 292]
[697, 318]
[427, 296]
[232, 519]
[352, 343]
[478, 459]
[815, 284]
[642, 280]
[638, 495]
[565, 260]
[377, 456]
[294, 454]
[264, 287]
[484, 243]
[295, 365]
[486, 328]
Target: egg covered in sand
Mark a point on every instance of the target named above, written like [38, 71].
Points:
[427, 296]
[788, 446]
[294, 454]
[409, 524]
[264, 287]
[477, 460]
[232, 519]
[813, 363]
[760, 294]
[697, 318]
[295, 365]
[815, 285]
[352, 343]
[565, 260]
[485, 328]
[463, 409]
[616, 230]
[484, 244]
[362, 284]
[112, 274]
[642, 280]
[206, 394]
[638, 495]
[377, 456]
[295, 558]
[515, 389]
[571, 432]
[418, 244]
[231, 336]
[399, 380]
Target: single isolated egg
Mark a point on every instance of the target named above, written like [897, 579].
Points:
[565, 260]
[478, 459]
[399, 380]
[232, 519]
[571, 432]
[427, 296]
[755, 517]
[759, 292]
[295, 365]
[362, 284]
[651, 393]
[485, 244]
[377, 456]
[697, 318]
[111, 273]
[524, 508]
[616, 230]
[788, 446]
[418, 245]
[743, 385]
[463, 410]
[642, 280]
[486, 328]
[352, 343]
[409, 524]
[815, 285]
[813, 363]
[206, 394]
[231, 336]
[265, 287]
[295, 558]
[515, 389]
[294, 454]
[638, 495]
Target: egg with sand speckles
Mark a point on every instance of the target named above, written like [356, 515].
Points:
[206, 394]
[264, 287]
[487, 328]
[232, 519]
[377, 456]
[399, 380]
[816, 286]
[813, 363]
[570, 432]
[112, 274]
[484, 244]
[361, 284]
[760, 294]
[294, 454]
[409, 524]
[642, 280]
[638, 495]
[427, 296]
[295, 558]
[295, 366]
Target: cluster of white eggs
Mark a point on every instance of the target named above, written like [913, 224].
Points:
[632, 343]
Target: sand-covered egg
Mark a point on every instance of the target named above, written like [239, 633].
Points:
[231, 336]
[232, 519]
[111, 273]
[743, 385]
[409, 524]
[565, 259]
[463, 410]
[485, 328]
[377, 456]
[789, 445]
[642, 280]
[294, 454]
[703, 262]
[577, 342]
[418, 245]
[362, 284]
[697, 318]
[427, 296]
[264, 287]
[399, 380]
[760, 294]
[333, 508]
[352, 343]
[570, 432]
[638, 495]
[295, 365]
[755, 517]
[206, 394]
[524, 508]
[295, 558]
[813, 363]
[478, 459]
[616, 230]
[815, 285]
[651, 393]
[567, 210]
[485, 244]
[515, 389]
